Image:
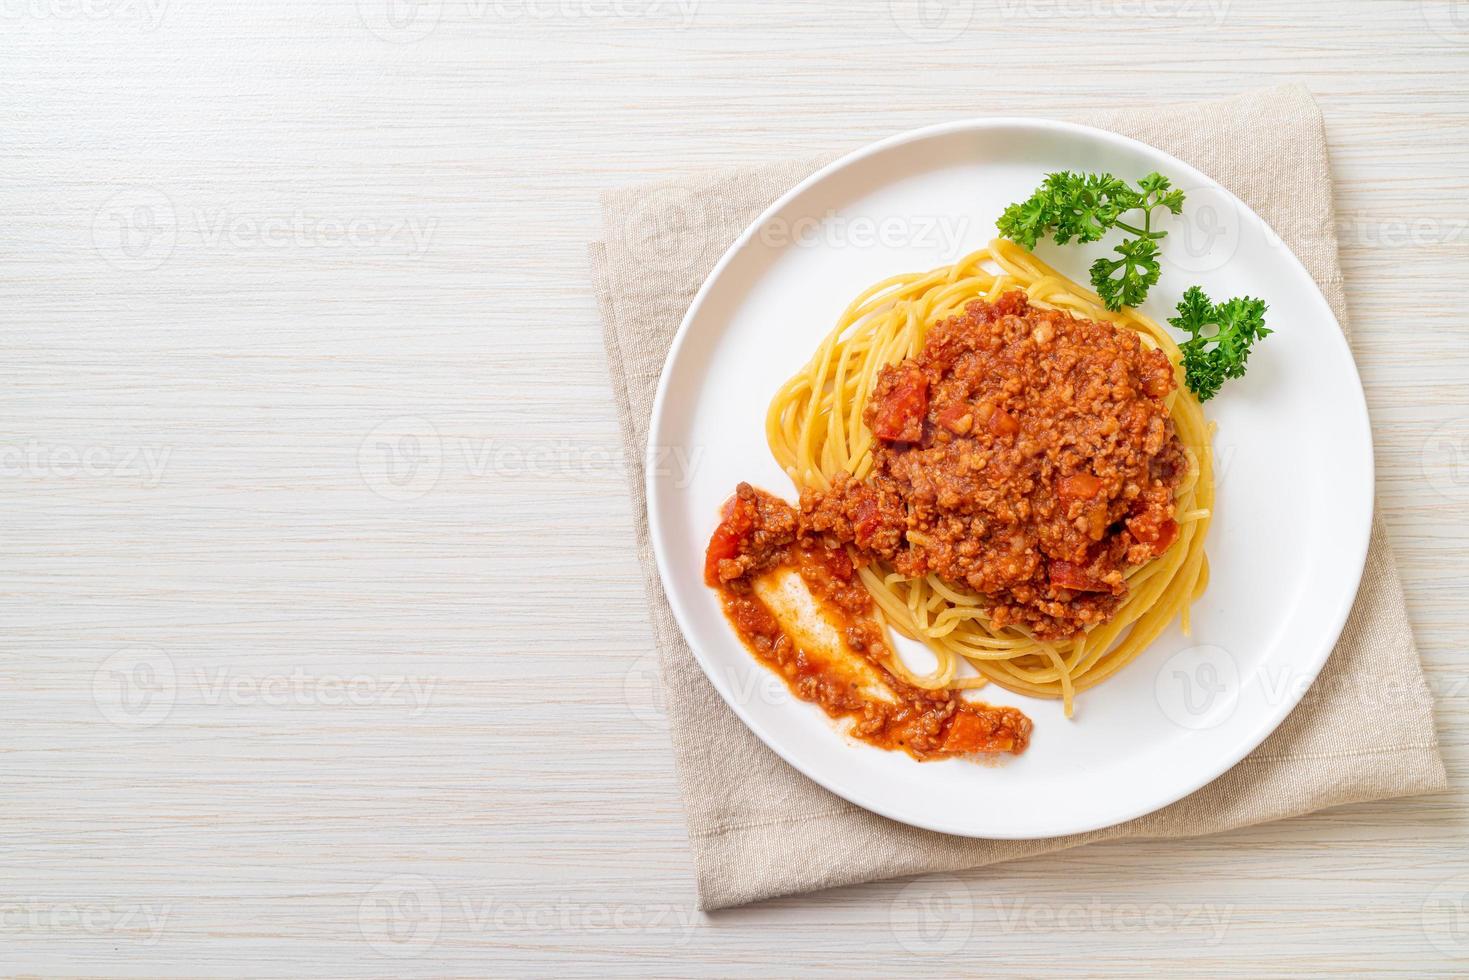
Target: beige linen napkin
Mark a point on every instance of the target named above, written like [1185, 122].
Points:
[758, 828]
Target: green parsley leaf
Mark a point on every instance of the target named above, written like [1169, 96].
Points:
[1140, 270]
[1211, 356]
[1084, 207]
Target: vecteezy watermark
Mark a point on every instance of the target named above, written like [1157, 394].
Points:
[1367, 229]
[401, 459]
[1209, 921]
[747, 683]
[1211, 12]
[564, 458]
[1445, 460]
[1223, 457]
[406, 21]
[667, 229]
[135, 229]
[1446, 917]
[642, 689]
[401, 916]
[932, 21]
[145, 15]
[1363, 691]
[932, 915]
[1206, 235]
[229, 228]
[138, 228]
[679, 12]
[135, 687]
[302, 688]
[943, 233]
[1359, 228]
[1198, 687]
[675, 923]
[140, 685]
[141, 922]
[1202, 687]
[36, 459]
[1449, 19]
[936, 916]
[400, 21]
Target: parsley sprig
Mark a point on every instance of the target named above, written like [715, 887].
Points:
[1084, 207]
[1220, 338]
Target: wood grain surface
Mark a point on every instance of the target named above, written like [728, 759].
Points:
[323, 650]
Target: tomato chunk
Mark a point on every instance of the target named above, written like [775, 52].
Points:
[1167, 534]
[738, 516]
[957, 417]
[1002, 423]
[866, 519]
[898, 409]
[1078, 486]
[969, 733]
[1159, 535]
[1066, 575]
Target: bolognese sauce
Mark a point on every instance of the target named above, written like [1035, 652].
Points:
[1026, 454]
[796, 602]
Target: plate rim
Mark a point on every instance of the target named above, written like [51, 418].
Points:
[1312, 665]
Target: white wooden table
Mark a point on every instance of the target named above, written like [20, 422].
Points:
[283, 693]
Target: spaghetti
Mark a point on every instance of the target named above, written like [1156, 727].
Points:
[816, 430]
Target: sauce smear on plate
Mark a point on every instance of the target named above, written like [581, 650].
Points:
[796, 602]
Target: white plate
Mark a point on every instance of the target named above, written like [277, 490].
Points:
[1294, 461]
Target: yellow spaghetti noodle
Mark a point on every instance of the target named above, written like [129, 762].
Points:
[816, 431]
